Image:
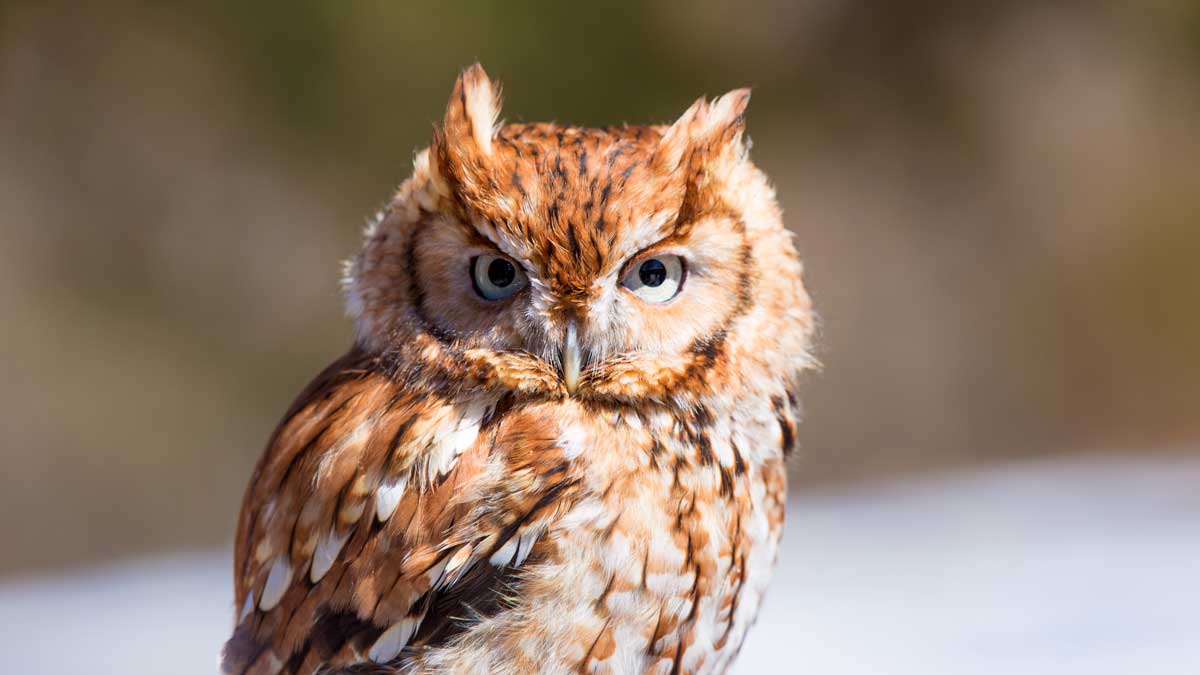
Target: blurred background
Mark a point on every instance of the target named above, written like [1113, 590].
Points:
[998, 203]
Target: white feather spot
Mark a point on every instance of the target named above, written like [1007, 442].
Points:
[450, 445]
[326, 553]
[392, 640]
[387, 497]
[724, 453]
[457, 565]
[586, 512]
[504, 554]
[516, 549]
[573, 441]
[277, 582]
[436, 574]
[247, 607]
[525, 544]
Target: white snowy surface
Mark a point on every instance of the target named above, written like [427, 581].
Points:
[1059, 568]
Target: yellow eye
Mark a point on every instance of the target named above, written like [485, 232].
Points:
[495, 277]
[656, 279]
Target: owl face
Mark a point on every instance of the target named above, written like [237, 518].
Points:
[549, 260]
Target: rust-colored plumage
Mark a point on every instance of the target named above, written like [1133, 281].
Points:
[568, 457]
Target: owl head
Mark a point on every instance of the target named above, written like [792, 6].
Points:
[625, 264]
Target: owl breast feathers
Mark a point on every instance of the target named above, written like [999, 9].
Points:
[558, 442]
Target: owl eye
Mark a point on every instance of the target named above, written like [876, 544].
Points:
[656, 279]
[495, 278]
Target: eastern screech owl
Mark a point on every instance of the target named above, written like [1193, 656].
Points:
[558, 442]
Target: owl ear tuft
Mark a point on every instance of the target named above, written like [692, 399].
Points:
[707, 131]
[677, 139]
[725, 123]
[472, 112]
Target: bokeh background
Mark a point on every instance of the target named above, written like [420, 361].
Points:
[998, 203]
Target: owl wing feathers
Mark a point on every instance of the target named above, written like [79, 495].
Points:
[365, 523]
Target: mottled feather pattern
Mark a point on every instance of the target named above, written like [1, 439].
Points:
[445, 499]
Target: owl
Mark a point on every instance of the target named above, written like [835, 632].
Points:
[558, 442]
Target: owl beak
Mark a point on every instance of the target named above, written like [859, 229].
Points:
[571, 358]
